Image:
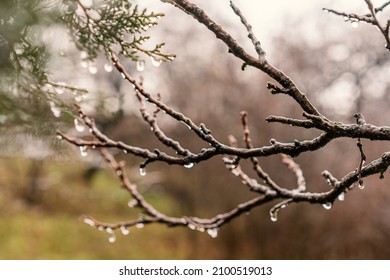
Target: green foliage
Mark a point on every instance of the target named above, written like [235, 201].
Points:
[115, 25]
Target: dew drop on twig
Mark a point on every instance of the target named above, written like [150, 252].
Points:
[108, 67]
[139, 225]
[155, 62]
[142, 171]
[213, 232]
[341, 196]
[83, 151]
[140, 65]
[124, 230]
[55, 110]
[79, 125]
[132, 203]
[189, 165]
[327, 205]
[112, 238]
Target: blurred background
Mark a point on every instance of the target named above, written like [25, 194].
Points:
[45, 184]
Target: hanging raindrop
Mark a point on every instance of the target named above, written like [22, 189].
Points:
[55, 110]
[361, 185]
[155, 62]
[83, 151]
[327, 205]
[139, 225]
[189, 165]
[123, 75]
[341, 196]
[142, 171]
[59, 89]
[140, 65]
[132, 203]
[59, 137]
[78, 125]
[355, 24]
[92, 69]
[112, 238]
[89, 222]
[274, 216]
[119, 172]
[84, 63]
[108, 67]
[124, 230]
[213, 232]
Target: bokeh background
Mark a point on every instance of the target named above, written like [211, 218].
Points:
[45, 185]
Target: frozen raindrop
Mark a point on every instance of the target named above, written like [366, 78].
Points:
[132, 203]
[346, 18]
[139, 225]
[83, 151]
[108, 67]
[123, 75]
[119, 172]
[355, 24]
[59, 137]
[112, 238]
[142, 171]
[140, 65]
[55, 110]
[124, 230]
[341, 196]
[213, 232]
[361, 185]
[92, 69]
[155, 62]
[78, 125]
[327, 205]
[125, 151]
[109, 230]
[100, 228]
[189, 165]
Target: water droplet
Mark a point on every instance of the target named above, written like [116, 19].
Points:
[119, 172]
[132, 203]
[213, 232]
[140, 65]
[79, 125]
[89, 222]
[59, 89]
[108, 67]
[123, 75]
[142, 171]
[100, 228]
[83, 151]
[78, 98]
[191, 226]
[112, 238]
[59, 137]
[109, 230]
[274, 216]
[328, 181]
[341, 196]
[124, 230]
[83, 55]
[55, 110]
[84, 63]
[361, 185]
[346, 18]
[355, 24]
[189, 165]
[155, 62]
[125, 151]
[235, 172]
[92, 69]
[139, 225]
[327, 205]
